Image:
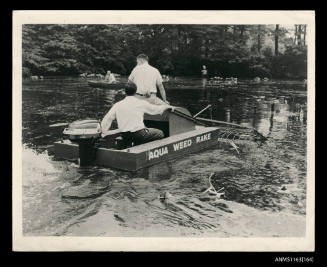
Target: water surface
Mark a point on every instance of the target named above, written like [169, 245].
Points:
[264, 186]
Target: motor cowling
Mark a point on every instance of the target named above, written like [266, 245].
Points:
[83, 129]
[86, 133]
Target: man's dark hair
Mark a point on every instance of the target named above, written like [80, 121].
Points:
[143, 56]
[130, 89]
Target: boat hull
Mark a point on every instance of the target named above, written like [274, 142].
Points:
[147, 154]
[105, 85]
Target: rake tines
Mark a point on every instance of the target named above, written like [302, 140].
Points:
[233, 134]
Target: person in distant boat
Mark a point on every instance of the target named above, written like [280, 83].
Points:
[257, 79]
[129, 114]
[147, 80]
[204, 72]
[110, 78]
[165, 78]
[204, 75]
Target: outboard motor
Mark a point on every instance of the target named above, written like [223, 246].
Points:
[86, 133]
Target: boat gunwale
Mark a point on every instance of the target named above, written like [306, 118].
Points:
[181, 136]
[154, 144]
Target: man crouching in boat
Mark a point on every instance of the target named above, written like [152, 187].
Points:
[129, 114]
[110, 78]
[147, 79]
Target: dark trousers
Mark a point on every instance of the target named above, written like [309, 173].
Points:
[143, 136]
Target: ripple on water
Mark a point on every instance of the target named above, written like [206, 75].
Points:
[104, 202]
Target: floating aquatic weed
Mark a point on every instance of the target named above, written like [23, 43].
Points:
[211, 190]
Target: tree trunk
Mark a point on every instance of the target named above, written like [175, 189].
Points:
[295, 35]
[304, 34]
[225, 29]
[299, 32]
[178, 39]
[234, 32]
[276, 39]
[242, 33]
[206, 48]
[259, 39]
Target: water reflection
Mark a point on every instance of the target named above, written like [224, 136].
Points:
[271, 120]
[228, 114]
[204, 82]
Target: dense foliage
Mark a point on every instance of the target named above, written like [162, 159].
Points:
[243, 51]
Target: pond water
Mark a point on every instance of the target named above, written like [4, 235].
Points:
[264, 186]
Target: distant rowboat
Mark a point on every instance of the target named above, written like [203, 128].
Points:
[119, 86]
[106, 85]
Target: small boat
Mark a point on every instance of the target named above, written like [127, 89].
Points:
[184, 134]
[106, 85]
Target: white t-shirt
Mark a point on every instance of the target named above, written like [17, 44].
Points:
[110, 78]
[146, 78]
[129, 113]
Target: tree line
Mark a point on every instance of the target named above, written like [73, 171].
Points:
[243, 51]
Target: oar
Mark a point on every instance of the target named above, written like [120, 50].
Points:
[59, 124]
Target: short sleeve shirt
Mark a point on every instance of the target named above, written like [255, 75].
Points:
[146, 78]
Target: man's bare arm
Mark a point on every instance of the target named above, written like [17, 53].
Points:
[105, 126]
[162, 92]
[130, 79]
[106, 123]
[108, 119]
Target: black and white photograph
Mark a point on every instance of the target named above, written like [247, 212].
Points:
[163, 130]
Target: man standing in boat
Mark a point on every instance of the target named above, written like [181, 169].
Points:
[147, 79]
[204, 75]
[129, 114]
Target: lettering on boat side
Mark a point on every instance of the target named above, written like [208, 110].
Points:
[158, 152]
[204, 137]
[182, 144]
